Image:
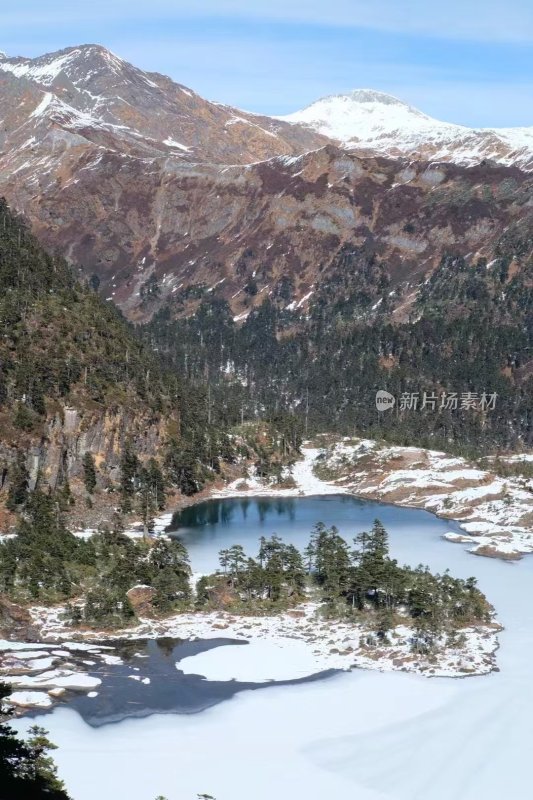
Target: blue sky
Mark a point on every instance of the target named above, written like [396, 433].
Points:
[466, 61]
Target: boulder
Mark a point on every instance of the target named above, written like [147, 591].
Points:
[141, 600]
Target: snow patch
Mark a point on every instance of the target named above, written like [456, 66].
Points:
[30, 699]
[257, 662]
[43, 105]
[170, 142]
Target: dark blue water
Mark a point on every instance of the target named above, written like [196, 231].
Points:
[169, 691]
[214, 525]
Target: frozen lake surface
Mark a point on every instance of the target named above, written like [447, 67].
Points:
[364, 735]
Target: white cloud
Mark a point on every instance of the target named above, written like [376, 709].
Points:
[476, 20]
[275, 77]
[479, 20]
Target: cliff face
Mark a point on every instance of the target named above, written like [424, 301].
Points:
[74, 378]
[54, 456]
[71, 433]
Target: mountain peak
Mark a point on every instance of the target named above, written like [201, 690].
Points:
[82, 61]
[363, 115]
[93, 47]
[376, 122]
[364, 101]
[97, 51]
[365, 96]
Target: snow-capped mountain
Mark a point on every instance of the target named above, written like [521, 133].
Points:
[373, 121]
[165, 195]
[89, 92]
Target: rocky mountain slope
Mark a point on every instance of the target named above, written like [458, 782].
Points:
[247, 232]
[374, 122]
[75, 380]
[86, 98]
[162, 196]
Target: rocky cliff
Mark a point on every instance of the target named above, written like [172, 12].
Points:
[73, 376]
[70, 433]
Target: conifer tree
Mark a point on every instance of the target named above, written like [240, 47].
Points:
[129, 466]
[19, 480]
[44, 764]
[89, 472]
[26, 771]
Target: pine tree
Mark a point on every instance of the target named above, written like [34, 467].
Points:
[19, 481]
[294, 570]
[26, 772]
[89, 472]
[236, 560]
[129, 466]
[43, 764]
[223, 560]
[332, 562]
[168, 586]
[157, 484]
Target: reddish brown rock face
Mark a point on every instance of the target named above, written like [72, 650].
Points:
[141, 598]
[156, 190]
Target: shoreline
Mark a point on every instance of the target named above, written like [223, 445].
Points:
[429, 477]
[291, 645]
[495, 514]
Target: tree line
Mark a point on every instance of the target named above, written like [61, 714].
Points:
[470, 330]
[361, 582]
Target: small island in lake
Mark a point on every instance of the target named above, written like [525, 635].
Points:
[334, 606]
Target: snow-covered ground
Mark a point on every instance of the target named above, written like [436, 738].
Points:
[290, 645]
[30, 699]
[360, 734]
[135, 531]
[495, 513]
[284, 648]
[258, 662]
[55, 679]
[305, 480]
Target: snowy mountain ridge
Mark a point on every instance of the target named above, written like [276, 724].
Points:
[88, 90]
[365, 119]
[157, 191]
[153, 112]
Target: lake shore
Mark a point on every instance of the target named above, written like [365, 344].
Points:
[299, 643]
[496, 514]
[288, 646]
